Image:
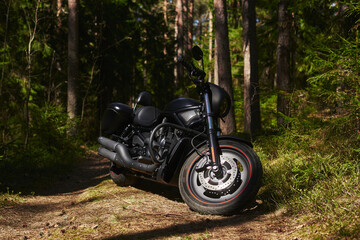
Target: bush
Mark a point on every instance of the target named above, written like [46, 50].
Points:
[49, 151]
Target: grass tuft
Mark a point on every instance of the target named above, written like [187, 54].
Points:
[314, 173]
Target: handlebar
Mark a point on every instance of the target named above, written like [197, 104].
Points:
[193, 71]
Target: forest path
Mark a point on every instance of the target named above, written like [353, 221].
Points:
[88, 205]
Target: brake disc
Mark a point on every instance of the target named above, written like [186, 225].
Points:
[209, 181]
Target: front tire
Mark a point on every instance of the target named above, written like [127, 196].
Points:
[205, 193]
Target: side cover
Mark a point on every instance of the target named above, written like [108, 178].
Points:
[116, 117]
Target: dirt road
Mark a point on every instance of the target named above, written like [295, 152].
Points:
[88, 205]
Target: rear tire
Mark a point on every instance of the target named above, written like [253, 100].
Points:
[121, 177]
[205, 193]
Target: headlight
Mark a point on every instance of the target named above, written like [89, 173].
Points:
[220, 101]
[225, 106]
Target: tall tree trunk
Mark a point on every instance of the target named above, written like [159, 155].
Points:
[58, 53]
[58, 13]
[55, 60]
[235, 10]
[4, 46]
[251, 82]
[283, 63]
[32, 34]
[224, 65]
[210, 43]
[190, 23]
[73, 60]
[185, 26]
[179, 37]
[216, 68]
[166, 25]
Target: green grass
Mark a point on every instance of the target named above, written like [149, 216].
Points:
[314, 173]
[10, 199]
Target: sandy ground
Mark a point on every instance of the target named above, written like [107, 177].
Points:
[86, 204]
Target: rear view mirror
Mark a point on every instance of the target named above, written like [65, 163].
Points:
[197, 53]
[144, 99]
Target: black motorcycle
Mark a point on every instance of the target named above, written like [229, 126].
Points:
[182, 146]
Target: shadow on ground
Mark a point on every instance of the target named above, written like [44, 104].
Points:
[170, 192]
[194, 227]
[89, 171]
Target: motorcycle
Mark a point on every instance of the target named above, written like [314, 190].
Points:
[182, 146]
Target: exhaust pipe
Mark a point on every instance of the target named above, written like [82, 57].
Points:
[121, 155]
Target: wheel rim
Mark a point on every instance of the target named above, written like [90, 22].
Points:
[208, 189]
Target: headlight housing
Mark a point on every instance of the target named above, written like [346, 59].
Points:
[220, 101]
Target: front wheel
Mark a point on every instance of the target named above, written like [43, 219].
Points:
[238, 186]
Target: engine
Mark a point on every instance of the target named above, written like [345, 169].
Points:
[162, 143]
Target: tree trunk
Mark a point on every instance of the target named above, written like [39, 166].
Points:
[58, 13]
[210, 43]
[216, 75]
[190, 24]
[166, 25]
[29, 53]
[224, 65]
[73, 60]
[200, 31]
[251, 82]
[283, 63]
[4, 45]
[185, 25]
[235, 10]
[179, 37]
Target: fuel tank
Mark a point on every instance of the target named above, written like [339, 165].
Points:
[184, 111]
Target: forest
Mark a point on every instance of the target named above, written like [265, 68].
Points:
[291, 67]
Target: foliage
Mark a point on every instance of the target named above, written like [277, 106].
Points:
[127, 47]
[50, 151]
[9, 199]
[315, 172]
[122, 53]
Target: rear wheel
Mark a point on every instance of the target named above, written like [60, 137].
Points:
[206, 193]
[120, 176]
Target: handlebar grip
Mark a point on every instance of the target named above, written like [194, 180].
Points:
[193, 71]
[185, 64]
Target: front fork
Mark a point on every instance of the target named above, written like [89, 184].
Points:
[212, 137]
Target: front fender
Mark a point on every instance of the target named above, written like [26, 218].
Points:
[184, 151]
[236, 138]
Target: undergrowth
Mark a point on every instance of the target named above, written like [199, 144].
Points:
[314, 172]
[9, 199]
[48, 153]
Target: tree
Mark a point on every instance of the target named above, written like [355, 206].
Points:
[73, 58]
[29, 53]
[165, 9]
[223, 61]
[4, 45]
[251, 82]
[179, 37]
[190, 24]
[283, 63]
[210, 33]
